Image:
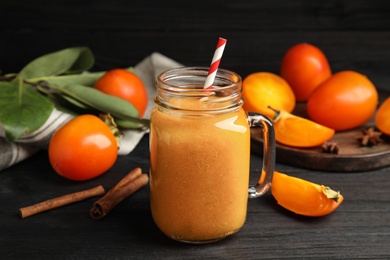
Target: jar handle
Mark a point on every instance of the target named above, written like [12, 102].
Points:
[264, 183]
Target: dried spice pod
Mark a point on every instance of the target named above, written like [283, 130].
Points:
[330, 147]
[370, 137]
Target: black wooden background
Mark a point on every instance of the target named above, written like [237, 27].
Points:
[353, 34]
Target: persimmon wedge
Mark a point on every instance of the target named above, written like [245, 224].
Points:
[304, 197]
[299, 132]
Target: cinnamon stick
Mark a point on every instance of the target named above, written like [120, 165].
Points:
[132, 182]
[60, 201]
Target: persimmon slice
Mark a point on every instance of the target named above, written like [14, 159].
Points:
[382, 117]
[300, 132]
[304, 197]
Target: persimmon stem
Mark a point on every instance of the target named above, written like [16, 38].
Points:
[331, 194]
[277, 112]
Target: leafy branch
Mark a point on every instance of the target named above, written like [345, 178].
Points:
[58, 79]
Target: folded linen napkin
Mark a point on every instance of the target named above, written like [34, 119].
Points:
[14, 152]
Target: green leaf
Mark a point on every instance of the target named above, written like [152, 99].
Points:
[67, 61]
[22, 109]
[85, 79]
[69, 105]
[105, 103]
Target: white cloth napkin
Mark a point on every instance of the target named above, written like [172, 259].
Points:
[14, 152]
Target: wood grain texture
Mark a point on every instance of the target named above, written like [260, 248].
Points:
[353, 34]
[359, 228]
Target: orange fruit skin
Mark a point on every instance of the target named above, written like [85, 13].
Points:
[304, 67]
[126, 85]
[346, 100]
[300, 132]
[263, 89]
[382, 117]
[302, 197]
[83, 148]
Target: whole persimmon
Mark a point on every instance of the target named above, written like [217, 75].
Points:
[263, 89]
[346, 100]
[126, 85]
[83, 148]
[382, 117]
[304, 67]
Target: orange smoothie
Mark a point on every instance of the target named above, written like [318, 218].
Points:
[199, 173]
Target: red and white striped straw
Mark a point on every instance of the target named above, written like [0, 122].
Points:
[215, 63]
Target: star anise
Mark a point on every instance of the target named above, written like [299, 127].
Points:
[370, 137]
[330, 147]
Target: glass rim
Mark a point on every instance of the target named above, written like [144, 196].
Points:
[231, 79]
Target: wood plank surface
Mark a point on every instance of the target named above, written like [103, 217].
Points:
[353, 34]
[359, 228]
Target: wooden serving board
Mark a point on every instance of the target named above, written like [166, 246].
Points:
[351, 157]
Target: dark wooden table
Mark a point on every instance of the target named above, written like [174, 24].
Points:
[353, 34]
[359, 228]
